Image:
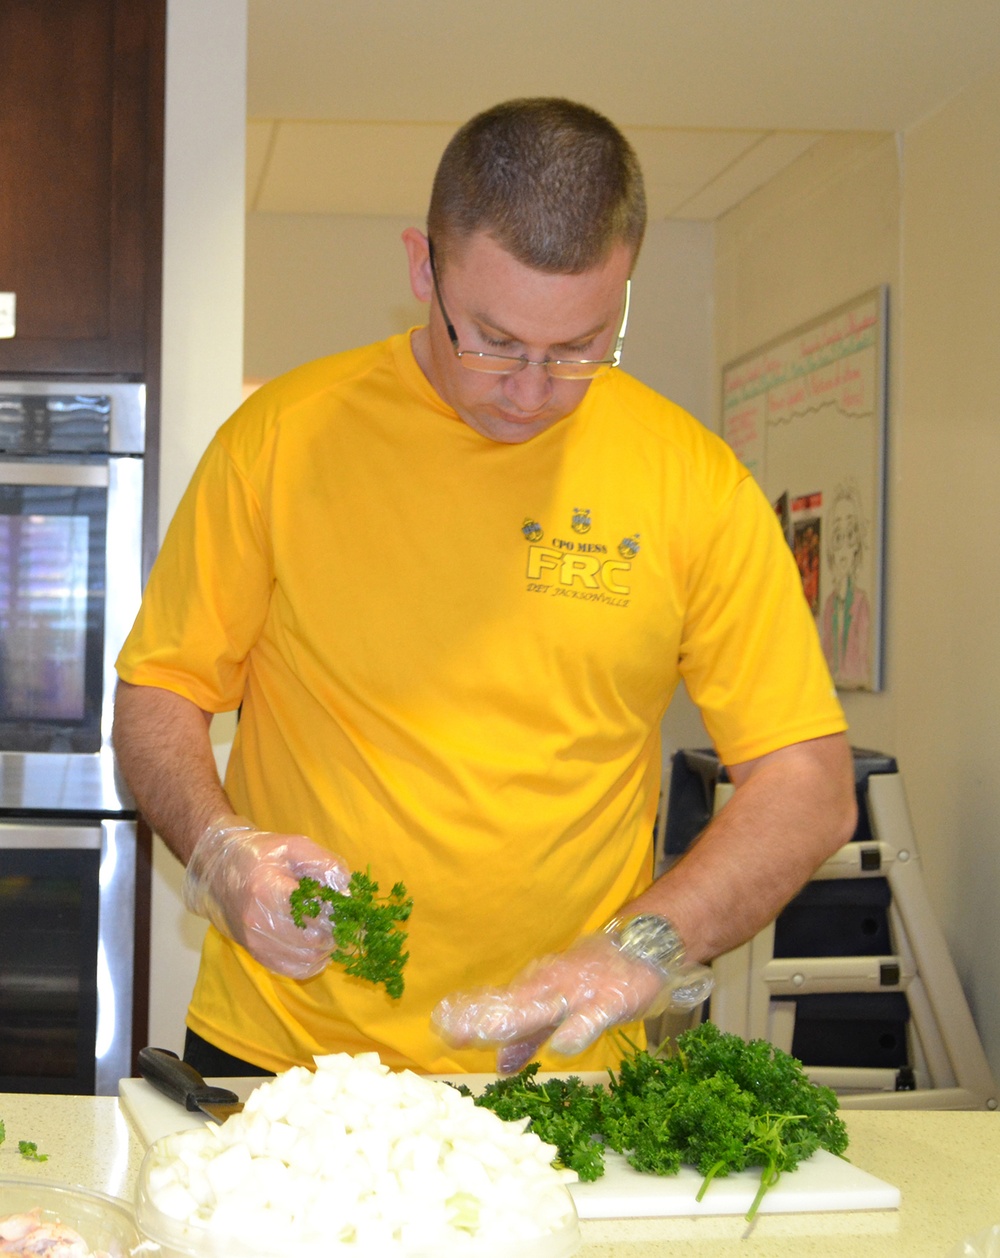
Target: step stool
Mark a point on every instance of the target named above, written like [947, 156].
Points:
[854, 977]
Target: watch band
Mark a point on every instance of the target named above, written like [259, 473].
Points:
[650, 938]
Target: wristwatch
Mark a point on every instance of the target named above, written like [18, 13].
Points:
[650, 938]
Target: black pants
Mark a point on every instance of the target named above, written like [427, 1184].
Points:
[213, 1063]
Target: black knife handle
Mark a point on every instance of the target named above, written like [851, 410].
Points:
[181, 1082]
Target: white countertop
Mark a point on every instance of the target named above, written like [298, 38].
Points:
[88, 1141]
[947, 1164]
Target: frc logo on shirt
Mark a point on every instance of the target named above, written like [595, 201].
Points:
[569, 568]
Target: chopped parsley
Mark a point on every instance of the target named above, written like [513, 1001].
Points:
[27, 1148]
[367, 934]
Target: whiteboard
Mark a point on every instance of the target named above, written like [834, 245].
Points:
[806, 414]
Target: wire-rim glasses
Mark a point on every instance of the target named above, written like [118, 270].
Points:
[508, 364]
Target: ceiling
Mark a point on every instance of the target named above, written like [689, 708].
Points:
[350, 102]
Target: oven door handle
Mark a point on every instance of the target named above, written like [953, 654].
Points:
[40, 473]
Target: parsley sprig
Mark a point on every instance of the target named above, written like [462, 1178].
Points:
[719, 1103]
[367, 934]
[27, 1148]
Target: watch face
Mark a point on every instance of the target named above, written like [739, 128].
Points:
[651, 939]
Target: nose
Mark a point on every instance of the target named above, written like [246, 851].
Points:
[529, 389]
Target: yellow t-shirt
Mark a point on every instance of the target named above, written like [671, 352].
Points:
[453, 656]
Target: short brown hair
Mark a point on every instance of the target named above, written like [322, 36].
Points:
[554, 182]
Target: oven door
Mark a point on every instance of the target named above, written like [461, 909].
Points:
[70, 577]
[53, 524]
[67, 911]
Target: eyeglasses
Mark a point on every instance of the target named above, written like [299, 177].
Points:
[508, 364]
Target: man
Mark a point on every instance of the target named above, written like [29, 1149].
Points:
[452, 581]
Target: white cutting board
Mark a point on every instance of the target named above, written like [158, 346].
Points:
[822, 1183]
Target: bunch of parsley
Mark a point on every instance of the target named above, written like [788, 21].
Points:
[719, 1103]
[367, 934]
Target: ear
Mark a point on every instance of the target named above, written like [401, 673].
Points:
[419, 261]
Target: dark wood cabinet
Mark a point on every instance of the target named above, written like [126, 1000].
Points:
[81, 125]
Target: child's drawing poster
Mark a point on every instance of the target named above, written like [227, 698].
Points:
[806, 414]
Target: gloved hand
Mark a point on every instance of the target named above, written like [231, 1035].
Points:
[241, 878]
[568, 999]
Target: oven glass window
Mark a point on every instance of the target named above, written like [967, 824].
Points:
[48, 979]
[52, 547]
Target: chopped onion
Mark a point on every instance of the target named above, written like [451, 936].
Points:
[355, 1158]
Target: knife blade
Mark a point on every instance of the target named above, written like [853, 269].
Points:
[183, 1084]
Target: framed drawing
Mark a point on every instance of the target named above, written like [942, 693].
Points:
[806, 414]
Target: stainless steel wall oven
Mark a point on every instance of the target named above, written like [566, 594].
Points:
[71, 476]
[70, 579]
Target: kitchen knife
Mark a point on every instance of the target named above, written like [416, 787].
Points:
[183, 1084]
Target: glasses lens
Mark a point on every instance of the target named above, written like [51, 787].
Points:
[491, 364]
[504, 365]
[568, 370]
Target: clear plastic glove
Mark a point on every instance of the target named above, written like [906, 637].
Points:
[568, 999]
[241, 878]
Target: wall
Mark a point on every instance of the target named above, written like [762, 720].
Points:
[317, 284]
[947, 571]
[202, 353]
[921, 213]
[822, 232]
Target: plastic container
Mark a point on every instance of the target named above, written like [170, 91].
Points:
[176, 1239]
[984, 1244]
[106, 1224]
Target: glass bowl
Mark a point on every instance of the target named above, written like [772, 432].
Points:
[106, 1224]
[173, 1238]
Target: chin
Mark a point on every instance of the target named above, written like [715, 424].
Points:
[510, 431]
[514, 433]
